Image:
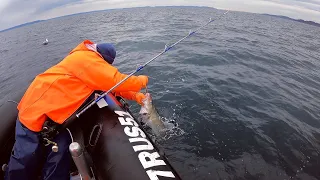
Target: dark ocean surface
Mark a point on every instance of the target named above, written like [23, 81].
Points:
[245, 90]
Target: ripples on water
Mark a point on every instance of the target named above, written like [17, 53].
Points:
[245, 90]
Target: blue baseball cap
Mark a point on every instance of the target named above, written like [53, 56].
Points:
[107, 51]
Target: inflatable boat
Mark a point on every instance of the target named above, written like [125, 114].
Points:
[108, 144]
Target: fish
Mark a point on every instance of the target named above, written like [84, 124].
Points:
[150, 116]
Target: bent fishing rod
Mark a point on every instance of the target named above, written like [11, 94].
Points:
[166, 48]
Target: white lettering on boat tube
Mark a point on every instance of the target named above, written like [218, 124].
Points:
[153, 175]
[128, 121]
[136, 148]
[135, 131]
[148, 160]
[122, 113]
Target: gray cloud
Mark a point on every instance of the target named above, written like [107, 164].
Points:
[14, 12]
[308, 4]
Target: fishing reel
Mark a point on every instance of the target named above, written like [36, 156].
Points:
[50, 130]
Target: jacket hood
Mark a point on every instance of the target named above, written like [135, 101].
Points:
[82, 47]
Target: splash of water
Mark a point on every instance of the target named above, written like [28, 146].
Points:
[172, 129]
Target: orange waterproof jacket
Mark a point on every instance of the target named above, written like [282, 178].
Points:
[61, 90]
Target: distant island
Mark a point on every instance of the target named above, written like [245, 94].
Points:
[278, 16]
[298, 20]
[21, 25]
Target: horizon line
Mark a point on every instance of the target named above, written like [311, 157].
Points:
[41, 20]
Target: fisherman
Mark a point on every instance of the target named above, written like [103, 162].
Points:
[54, 96]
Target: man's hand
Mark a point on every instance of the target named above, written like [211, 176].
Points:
[144, 80]
[139, 98]
[96, 96]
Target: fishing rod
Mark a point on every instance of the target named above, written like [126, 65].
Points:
[166, 48]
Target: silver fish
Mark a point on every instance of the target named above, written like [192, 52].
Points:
[149, 116]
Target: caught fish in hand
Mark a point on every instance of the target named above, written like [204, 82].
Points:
[150, 117]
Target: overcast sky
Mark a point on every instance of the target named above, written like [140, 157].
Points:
[15, 12]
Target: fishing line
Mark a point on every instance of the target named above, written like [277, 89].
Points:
[70, 134]
[166, 48]
[12, 101]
